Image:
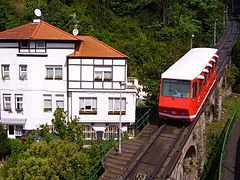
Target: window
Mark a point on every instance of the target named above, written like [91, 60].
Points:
[40, 44]
[7, 102]
[176, 88]
[47, 102]
[11, 130]
[194, 93]
[111, 131]
[18, 130]
[88, 105]
[89, 132]
[22, 72]
[19, 102]
[54, 72]
[102, 73]
[5, 71]
[32, 47]
[24, 44]
[200, 86]
[114, 106]
[59, 101]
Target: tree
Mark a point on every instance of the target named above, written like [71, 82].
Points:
[54, 160]
[5, 148]
[70, 130]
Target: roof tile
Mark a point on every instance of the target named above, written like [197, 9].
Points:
[91, 47]
[33, 31]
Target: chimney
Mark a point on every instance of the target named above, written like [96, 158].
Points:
[36, 20]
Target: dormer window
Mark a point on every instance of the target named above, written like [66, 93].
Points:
[24, 44]
[40, 44]
[32, 47]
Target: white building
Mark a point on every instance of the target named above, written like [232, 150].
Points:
[43, 67]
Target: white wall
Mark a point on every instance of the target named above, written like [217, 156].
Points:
[102, 106]
[83, 70]
[35, 86]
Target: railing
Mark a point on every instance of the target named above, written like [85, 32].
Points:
[144, 120]
[226, 136]
[98, 168]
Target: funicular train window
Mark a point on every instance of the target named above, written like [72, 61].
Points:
[194, 93]
[200, 86]
[176, 88]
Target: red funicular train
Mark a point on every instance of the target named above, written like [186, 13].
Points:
[186, 84]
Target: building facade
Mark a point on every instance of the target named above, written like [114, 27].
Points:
[43, 67]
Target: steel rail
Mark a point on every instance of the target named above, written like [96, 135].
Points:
[140, 155]
[173, 145]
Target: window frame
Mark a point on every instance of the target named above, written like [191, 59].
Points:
[59, 98]
[102, 71]
[176, 86]
[18, 103]
[22, 73]
[5, 108]
[54, 68]
[5, 73]
[32, 46]
[22, 46]
[40, 47]
[89, 133]
[110, 131]
[47, 97]
[114, 107]
[83, 109]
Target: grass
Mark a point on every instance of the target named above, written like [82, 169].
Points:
[214, 139]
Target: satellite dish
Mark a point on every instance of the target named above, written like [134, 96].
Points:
[38, 12]
[75, 31]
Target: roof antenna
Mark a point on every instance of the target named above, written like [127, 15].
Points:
[75, 30]
[38, 13]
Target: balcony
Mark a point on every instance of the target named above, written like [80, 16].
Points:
[12, 118]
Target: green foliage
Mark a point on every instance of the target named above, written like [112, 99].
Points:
[235, 71]
[71, 130]
[53, 160]
[5, 147]
[17, 146]
[44, 133]
[215, 135]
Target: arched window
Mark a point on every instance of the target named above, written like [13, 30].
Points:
[110, 131]
[89, 132]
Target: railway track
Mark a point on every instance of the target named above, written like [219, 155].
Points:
[158, 153]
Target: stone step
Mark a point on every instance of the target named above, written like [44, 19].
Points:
[116, 161]
[119, 156]
[124, 154]
[128, 150]
[144, 136]
[109, 175]
[132, 146]
[114, 167]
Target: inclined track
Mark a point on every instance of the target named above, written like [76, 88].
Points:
[157, 152]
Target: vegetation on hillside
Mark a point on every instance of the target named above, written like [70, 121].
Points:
[153, 33]
[235, 67]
